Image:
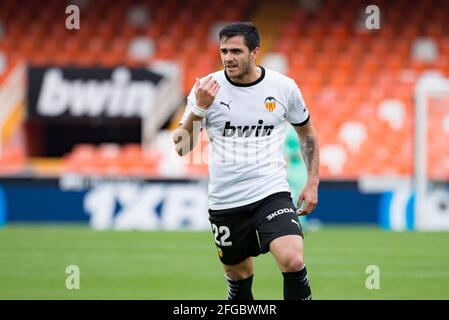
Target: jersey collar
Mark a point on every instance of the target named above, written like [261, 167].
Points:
[246, 84]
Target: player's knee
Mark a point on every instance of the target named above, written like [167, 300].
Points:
[293, 263]
[238, 274]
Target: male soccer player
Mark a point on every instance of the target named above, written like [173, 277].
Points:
[244, 109]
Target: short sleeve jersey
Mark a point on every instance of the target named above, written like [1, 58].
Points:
[246, 126]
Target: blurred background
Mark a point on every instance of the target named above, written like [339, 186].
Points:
[90, 91]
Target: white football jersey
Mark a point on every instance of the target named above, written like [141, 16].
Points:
[246, 125]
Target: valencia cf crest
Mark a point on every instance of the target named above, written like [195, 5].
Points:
[270, 104]
[220, 252]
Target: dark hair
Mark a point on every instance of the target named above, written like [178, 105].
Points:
[246, 29]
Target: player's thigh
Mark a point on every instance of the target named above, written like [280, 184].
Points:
[277, 218]
[286, 244]
[289, 252]
[234, 236]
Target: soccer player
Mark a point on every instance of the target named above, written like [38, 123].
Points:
[244, 109]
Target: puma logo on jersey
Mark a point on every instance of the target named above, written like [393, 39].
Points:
[295, 222]
[226, 104]
[247, 131]
[279, 212]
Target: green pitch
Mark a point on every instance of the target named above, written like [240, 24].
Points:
[184, 265]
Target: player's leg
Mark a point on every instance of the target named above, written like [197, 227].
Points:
[236, 241]
[239, 278]
[289, 254]
[281, 233]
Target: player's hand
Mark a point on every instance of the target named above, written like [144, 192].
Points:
[310, 196]
[205, 92]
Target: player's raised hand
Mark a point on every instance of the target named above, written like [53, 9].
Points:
[205, 91]
[310, 196]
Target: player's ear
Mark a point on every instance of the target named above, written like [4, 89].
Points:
[255, 53]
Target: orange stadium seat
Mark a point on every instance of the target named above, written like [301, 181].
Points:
[12, 160]
[80, 159]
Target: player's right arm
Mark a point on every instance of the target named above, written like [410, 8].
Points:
[186, 135]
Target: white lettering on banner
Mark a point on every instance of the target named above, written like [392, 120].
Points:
[400, 215]
[182, 206]
[100, 203]
[119, 96]
[436, 213]
[185, 203]
[138, 206]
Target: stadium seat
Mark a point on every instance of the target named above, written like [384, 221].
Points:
[138, 15]
[333, 157]
[12, 160]
[141, 48]
[352, 134]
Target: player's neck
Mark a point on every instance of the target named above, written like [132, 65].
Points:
[253, 75]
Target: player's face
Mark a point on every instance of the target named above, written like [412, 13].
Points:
[236, 57]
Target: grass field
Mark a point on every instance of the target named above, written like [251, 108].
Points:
[184, 265]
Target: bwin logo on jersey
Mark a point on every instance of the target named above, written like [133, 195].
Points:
[247, 131]
[270, 104]
[279, 212]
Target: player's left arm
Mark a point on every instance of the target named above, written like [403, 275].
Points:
[310, 153]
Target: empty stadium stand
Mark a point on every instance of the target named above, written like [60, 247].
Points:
[358, 83]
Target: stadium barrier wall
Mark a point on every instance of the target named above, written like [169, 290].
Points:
[2, 208]
[397, 210]
[132, 204]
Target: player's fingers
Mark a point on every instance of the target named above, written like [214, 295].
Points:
[215, 89]
[206, 81]
[197, 84]
[303, 213]
[307, 209]
[210, 84]
[299, 203]
[300, 200]
[311, 204]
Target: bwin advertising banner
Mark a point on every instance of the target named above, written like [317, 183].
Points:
[56, 94]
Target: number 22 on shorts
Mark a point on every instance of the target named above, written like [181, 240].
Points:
[221, 234]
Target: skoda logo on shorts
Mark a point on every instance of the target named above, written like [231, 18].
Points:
[270, 104]
[278, 212]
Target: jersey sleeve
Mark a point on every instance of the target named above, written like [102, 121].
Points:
[297, 114]
[190, 102]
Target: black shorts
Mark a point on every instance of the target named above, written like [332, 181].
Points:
[247, 231]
